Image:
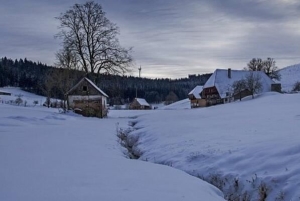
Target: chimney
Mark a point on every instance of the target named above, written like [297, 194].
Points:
[229, 73]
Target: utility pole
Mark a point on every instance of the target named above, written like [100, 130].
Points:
[140, 69]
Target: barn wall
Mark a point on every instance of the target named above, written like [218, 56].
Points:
[73, 98]
[198, 103]
[242, 94]
[135, 105]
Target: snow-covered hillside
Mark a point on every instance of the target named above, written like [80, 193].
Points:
[249, 149]
[46, 155]
[289, 76]
[31, 99]
[182, 104]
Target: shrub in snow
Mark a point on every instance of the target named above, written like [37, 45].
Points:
[253, 83]
[238, 87]
[19, 101]
[297, 86]
[35, 102]
[47, 102]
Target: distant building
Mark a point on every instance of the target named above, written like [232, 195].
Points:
[195, 97]
[139, 104]
[5, 93]
[218, 88]
[87, 99]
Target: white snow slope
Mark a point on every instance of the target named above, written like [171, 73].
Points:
[182, 104]
[289, 76]
[45, 155]
[25, 96]
[249, 149]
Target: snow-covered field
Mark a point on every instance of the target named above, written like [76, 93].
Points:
[45, 155]
[249, 149]
[182, 104]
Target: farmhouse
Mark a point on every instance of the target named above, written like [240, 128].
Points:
[87, 99]
[195, 97]
[139, 104]
[218, 88]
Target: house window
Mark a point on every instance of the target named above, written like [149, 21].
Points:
[84, 88]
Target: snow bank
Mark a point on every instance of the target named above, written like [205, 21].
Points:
[179, 105]
[243, 147]
[50, 156]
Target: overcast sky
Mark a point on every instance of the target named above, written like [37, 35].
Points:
[170, 38]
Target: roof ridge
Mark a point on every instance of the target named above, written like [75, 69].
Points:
[95, 86]
[215, 77]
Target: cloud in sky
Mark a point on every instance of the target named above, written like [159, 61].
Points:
[170, 38]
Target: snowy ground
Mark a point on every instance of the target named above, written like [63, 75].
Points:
[46, 155]
[249, 149]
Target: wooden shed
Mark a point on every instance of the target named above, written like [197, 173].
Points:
[139, 104]
[87, 99]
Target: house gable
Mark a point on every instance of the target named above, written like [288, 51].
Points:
[142, 102]
[86, 87]
[86, 98]
[195, 93]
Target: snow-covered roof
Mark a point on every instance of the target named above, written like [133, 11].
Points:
[196, 91]
[142, 101]
[97, 88]
[223, 83]
[92, 83]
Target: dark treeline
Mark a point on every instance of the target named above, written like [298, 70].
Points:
[33, 77]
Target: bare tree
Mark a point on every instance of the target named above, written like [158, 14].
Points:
[271, 69]
[171, 98]
[48, 85]
[238, 87]
[85, 29]
[67, 62]
[253, 83]
[66, 58]
[268, 66]
[256, 64]
[19, 100]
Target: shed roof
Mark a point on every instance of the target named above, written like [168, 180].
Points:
[196, 92]
[90, 82]
[223, 83]
[142, 101]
